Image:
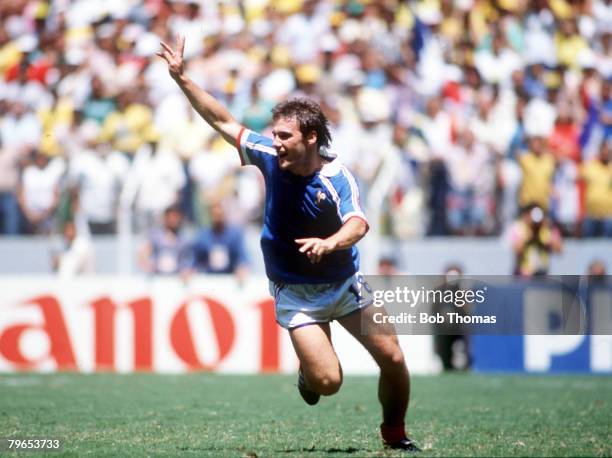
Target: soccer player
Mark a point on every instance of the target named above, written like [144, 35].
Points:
[312, 222]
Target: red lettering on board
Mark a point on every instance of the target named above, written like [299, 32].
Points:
[54, 326]
[142, 310]
[104, 333]
[270, 337]
[182, 340]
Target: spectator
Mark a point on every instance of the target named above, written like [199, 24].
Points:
[538, 168]
[387, 266]
[497, 64]
[99, 104]
[470, 199]
[96, 177]
[565, 206]
[38, 192]
[423, 65]
[518, 140]
[534, 238]
[438, 198]
[450, 340]
[606, 109]
[10, 162]
[564, 144]
[167, 250]
[597, 177]
[212, 173]
[25, 83]
[19, 126]
[564, 141]
[127, 125]
[258, 114]
[219, 249]
[597, 270]
[154, 181]
[508, 169]
[436, 127]
[569, 43]
[597, 276]
[75, 256]
[299, 29]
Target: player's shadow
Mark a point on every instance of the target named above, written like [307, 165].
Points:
[329, 450]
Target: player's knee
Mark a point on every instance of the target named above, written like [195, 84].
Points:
[329, 384]
[393, 359]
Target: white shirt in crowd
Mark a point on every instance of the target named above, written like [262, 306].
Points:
[19, 131]
[40, 185]
[154, 180]
[209, 169]
[99, 179]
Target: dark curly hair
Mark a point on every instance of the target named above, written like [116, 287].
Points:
[309, 117]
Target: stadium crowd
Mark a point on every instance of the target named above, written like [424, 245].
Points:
[460, 113]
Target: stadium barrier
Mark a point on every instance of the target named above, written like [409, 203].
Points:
[126, 324]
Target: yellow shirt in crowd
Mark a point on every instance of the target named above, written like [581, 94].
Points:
[537, 179]
[598, 190]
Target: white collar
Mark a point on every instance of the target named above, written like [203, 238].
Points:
[332, 168]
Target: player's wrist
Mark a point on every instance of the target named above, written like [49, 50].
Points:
[180, 78]
[332, 244]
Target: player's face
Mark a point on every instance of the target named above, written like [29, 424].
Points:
[291, 147]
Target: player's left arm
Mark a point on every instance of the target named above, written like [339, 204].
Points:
[351, 232]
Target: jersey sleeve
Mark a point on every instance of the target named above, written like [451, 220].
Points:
[254, 149]
[345, 193]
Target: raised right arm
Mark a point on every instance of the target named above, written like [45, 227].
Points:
[213, 112]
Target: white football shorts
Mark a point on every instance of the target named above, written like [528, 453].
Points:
[303, 304]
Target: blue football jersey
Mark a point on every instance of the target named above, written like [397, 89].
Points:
[300, 207]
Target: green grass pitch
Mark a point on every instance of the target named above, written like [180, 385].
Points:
[224, 415]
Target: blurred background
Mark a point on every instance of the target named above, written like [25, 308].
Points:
[479, 132]
[454, 115]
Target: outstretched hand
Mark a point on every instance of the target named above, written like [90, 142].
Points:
[315, 248]
[174, 57]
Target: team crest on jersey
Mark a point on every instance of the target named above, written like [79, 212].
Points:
[320, 197]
